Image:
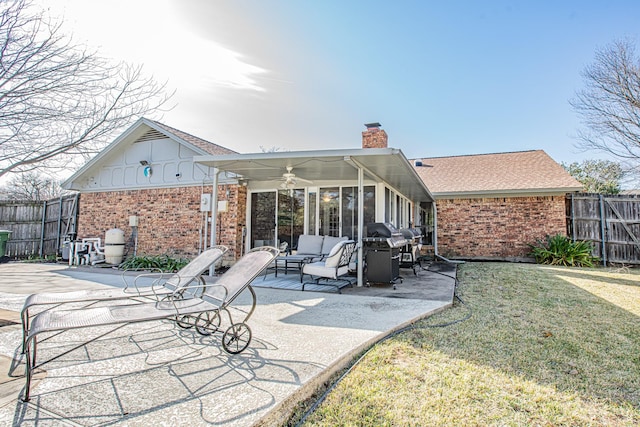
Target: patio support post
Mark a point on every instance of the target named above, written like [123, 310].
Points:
[360, 170]
[360, 225]
[214, 213]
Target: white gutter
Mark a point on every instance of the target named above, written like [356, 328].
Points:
[504, 193]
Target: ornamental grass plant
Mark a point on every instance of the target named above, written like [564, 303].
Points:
[156, 262]
[560, 250]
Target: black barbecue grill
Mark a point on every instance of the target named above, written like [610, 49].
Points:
[382, 252]
[410, 253]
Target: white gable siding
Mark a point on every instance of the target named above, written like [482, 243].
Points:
[171, 165]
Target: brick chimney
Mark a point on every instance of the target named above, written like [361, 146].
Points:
[374, 137]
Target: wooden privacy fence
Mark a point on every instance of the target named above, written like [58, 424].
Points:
[612, 223]
[38, 228]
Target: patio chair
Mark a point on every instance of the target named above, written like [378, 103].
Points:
[162, 286]
[333, 268]
[309, 247]
[203, 311]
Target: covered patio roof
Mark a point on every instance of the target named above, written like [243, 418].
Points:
[381, 164]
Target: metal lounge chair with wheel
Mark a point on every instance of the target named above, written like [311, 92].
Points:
[202, 310]
[164, 284]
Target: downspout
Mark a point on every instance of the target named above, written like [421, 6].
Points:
[435, 229]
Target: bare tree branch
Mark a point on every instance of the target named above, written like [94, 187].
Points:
[59, 101]
[31, 186]
[609, 105]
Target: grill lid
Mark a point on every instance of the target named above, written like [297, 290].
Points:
[384, 232]
[381, 229]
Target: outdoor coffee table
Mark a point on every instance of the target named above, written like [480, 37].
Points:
[290, 262]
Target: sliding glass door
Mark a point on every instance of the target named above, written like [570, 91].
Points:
[337, 210]
[277, 217]
[263, 219]
[329, 211]
[350, 209]
[290, 216]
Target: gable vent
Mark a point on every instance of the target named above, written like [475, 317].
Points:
[150, 135]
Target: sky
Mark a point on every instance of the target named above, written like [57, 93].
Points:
[444, 78]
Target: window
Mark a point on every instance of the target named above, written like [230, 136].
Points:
[330, 211]
[263, 218]
[313, 203]
[350, 209]
[290, 216]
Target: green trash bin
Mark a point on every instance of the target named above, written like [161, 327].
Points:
[4, 237]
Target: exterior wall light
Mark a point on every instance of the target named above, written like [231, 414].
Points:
[147, 168]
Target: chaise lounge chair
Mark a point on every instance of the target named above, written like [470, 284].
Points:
[162, 286]
[203, 311]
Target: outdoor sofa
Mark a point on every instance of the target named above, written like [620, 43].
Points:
[310, 248]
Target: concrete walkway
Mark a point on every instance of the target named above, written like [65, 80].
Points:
[156, 373]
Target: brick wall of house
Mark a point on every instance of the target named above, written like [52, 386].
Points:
[497, 227]
[170, 221]
[231, 222]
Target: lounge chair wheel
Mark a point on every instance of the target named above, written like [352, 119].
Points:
[207, 322]
[236, 338]
[183, 321]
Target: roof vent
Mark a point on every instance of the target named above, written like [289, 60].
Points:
[417, 163]
[151, 135]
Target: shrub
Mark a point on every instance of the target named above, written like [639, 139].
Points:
[560, 250]
[161, 262]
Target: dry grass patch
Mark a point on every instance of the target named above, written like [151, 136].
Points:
[545, 346]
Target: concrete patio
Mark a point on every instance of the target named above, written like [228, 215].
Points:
[156, 373]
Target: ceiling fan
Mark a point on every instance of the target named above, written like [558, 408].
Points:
[289, 179]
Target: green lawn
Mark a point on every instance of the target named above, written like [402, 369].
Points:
[546, 346]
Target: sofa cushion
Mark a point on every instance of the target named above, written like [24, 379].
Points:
[309, 244]
[320, 270]
[330, 242]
